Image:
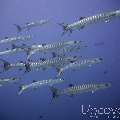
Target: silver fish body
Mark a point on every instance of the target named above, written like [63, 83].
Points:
[4, 81]
[13, 39]
[80, 64]
[38, 84]
[107, 16]
[30, 25]
[56, 47]
[52, 62]
[35, 24]
[11, 51]
[85, 88]
[70, 91]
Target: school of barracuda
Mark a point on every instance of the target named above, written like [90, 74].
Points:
[60, 59]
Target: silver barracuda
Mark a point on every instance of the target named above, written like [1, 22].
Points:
[74, 89]
[84, 21]
[38, 84]
[6, 65]
[56, 48]
[11, 51]
[30, 25]
[14, 39]
[5, 81]
[44, 64]
[80, 64]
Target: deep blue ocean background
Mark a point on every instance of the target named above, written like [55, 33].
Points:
[36, 103]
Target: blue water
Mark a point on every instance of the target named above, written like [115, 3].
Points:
[35, 105]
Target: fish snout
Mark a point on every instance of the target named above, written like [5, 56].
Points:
[99, 60]
[117, 12]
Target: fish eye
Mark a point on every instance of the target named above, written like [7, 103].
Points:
[75, 41]
[101, 59]
[107, 84]
[14, 78]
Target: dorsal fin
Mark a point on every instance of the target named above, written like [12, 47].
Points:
[19, 29]
[6, 37]
[21, 61]
[44, 44]
[42, 59]
[71, 85]
[34, 81]
[27, 23]
[81, 18]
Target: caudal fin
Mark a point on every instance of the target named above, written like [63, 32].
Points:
[19, 29]
[21, 89]
[59, 71]
[64, 26]
[6, 65]
[27, 67]
[55, 92]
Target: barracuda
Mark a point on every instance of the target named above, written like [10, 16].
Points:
[38, 84]
[57, 48]
[6, 65]
[5, 81]
[11, 51]
[14, 39]
[30, 25]
[80, 64]
[84, 21]
[52, 62]
[74, 89]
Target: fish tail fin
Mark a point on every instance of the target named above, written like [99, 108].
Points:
[6, 65]
[27, 67]
[55, 92]
[21, 89]
[59, 72]
[28, 52]
[64, 26]
[19, 29]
